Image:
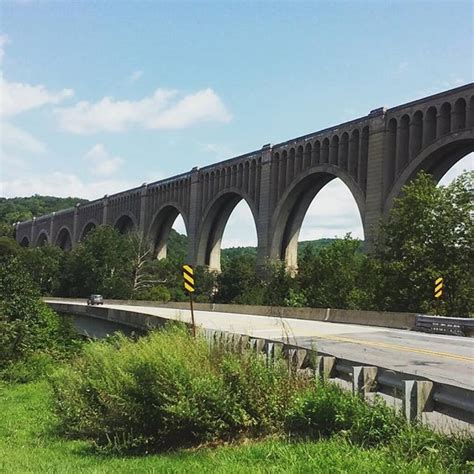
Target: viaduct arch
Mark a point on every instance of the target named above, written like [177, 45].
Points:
[374, 155]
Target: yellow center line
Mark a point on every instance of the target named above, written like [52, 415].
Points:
[394, 346]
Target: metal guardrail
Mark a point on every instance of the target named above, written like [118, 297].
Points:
[417, 394]
[444, 325]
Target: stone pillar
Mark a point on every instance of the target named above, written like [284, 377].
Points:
[143, 201]
[105, 205]
[32, 232]
[51, 228]
[374, 200]
[75, 230]
[194, 217]
[264, 208]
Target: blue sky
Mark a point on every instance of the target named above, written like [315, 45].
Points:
[101, 96]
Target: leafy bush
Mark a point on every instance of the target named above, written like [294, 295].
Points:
[156, 293]
[326, 409]
[33, 367]
[168, 389]
[30, 332]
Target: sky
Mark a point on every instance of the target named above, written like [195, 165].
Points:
[101, 96]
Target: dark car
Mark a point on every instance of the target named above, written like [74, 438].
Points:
[95, 299]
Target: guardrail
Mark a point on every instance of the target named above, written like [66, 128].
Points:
[417, 394]
[444, 325]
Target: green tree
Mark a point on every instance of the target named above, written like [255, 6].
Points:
[100, 264]
[45, 266]
[8, 247]
[430, 233]
[238, 283]
[27, 325]
[328, 277]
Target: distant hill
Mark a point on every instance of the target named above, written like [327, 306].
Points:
[24, 208]
[177, 248]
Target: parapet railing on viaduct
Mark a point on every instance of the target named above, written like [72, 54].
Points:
[373, 155]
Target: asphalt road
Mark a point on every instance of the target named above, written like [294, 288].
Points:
[445, 359]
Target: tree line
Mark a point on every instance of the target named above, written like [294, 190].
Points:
[429, 233]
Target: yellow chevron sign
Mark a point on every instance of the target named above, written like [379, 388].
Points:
[188, 275]
[438, 288]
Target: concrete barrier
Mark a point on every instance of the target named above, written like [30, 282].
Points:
[366, 318]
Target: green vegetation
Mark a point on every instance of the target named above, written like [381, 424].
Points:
[29, 443]
[31, 335]
[24, 208]
[122, 397]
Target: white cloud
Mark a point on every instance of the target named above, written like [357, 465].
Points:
[219, 151]
[135, 76]
[12, 139]
[61, 185]
[17, 97]
[153, 112]
[101, 162]
[3, 41]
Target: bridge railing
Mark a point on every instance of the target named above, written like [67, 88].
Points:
[444, 325]
[417, 394]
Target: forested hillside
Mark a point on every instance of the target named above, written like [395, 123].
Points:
[23, 208]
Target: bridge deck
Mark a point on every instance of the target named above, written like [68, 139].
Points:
[444, 359]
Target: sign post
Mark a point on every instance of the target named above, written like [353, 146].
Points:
[188, 276]
[438, 292]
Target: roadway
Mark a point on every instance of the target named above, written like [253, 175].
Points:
[440, 358]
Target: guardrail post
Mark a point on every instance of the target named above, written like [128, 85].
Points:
[364, 380]
[297, 357]
[273, 351]
[257, 345]
[325, 366]
[417, 398]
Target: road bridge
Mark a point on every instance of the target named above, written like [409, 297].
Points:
[441, 358]
[374, 156]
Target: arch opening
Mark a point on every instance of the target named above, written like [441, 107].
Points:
[25, 242]
[42, 239]
[333, 208]
[464, 164]
[232, 214]
[64, 240]
[89, 227]
[165, 221]
[125, 224]
[437, 159]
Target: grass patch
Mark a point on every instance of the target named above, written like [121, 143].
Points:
[28, 444]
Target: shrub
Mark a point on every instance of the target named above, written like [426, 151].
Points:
[33, 367]
[156, 293]
[326, 409]
[27, 325]
[167, 389]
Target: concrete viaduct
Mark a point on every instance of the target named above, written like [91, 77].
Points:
[373, 155]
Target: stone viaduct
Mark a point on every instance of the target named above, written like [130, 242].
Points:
[373, 155]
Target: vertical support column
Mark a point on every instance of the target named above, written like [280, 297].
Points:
[194, 218]
[374, 201]
[32, 232]
[143, 201]
[470, 113]
[51, 228]
[105, 205]
[264, 208]
[75, 230]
